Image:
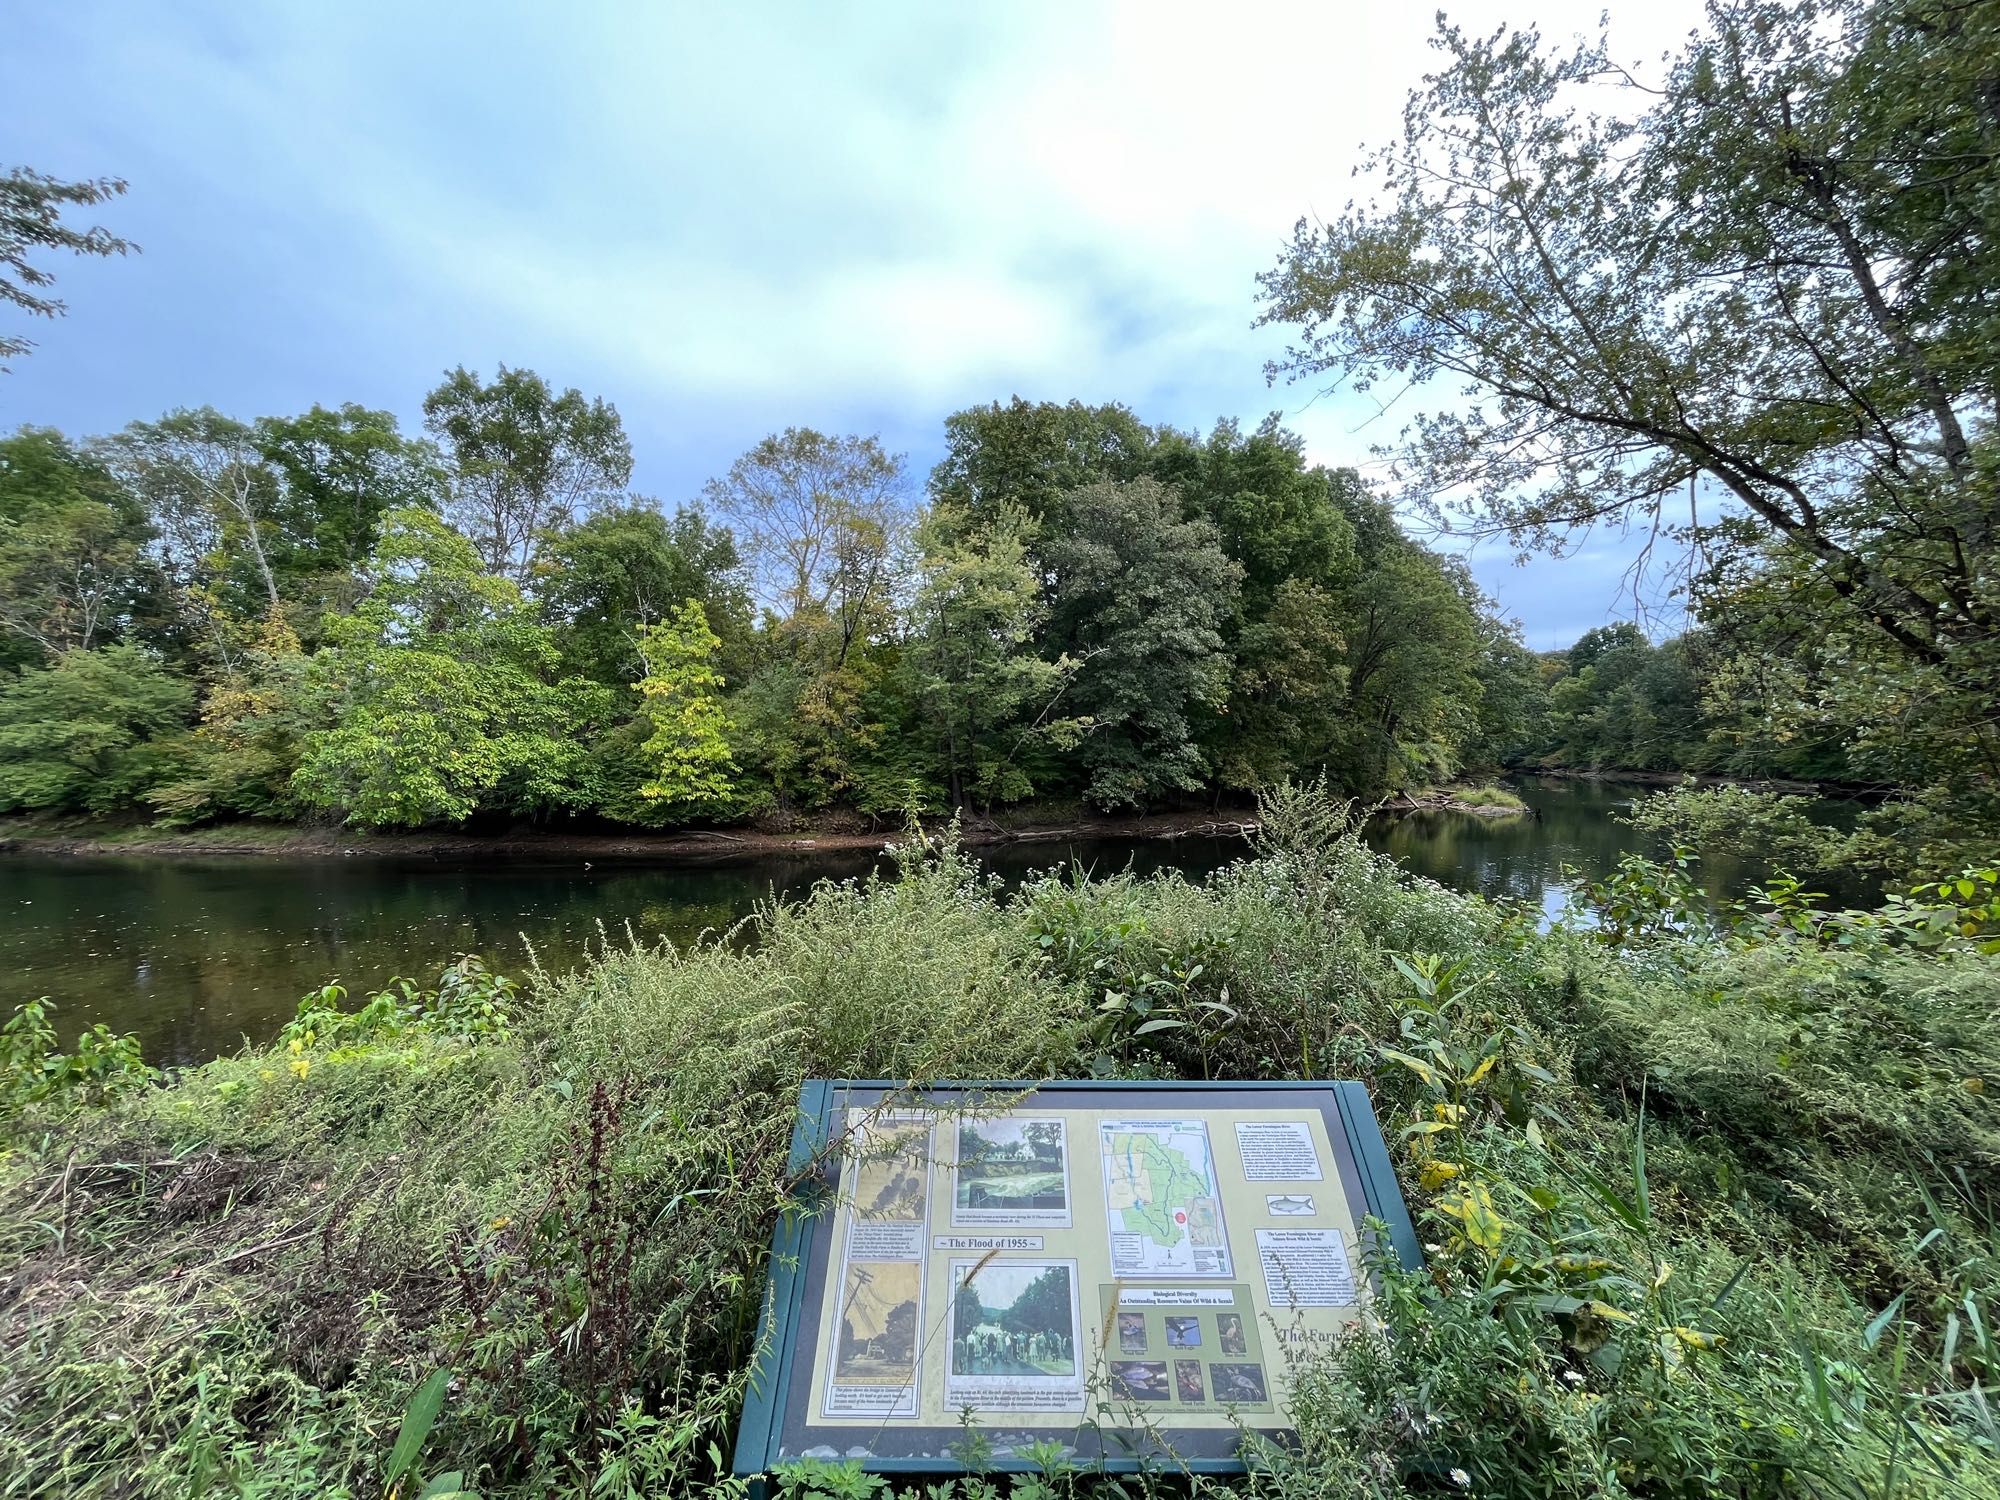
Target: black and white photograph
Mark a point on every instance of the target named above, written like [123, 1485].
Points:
[1011, 1170]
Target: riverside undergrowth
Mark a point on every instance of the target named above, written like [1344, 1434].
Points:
[1708, 1206]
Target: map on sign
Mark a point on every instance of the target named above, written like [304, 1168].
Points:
[1161, 1200]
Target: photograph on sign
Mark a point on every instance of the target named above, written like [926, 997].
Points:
[1011, 1170]
[1187, 1381]
[889, 1200]
[875, 1350]
[1239, 1385]
[1229, 1334]
[892, 1170]
[1015, 1344]
[1132, 1333]
[1140, 1379]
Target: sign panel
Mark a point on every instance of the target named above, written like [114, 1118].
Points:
[1128, 1270]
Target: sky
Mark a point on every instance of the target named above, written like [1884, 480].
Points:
[727, 220]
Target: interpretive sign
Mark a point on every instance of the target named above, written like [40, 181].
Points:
[1129, 1271]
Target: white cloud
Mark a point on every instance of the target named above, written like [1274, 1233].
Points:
[734, 218]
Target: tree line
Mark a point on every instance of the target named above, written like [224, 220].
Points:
[324, 616]
[1744, 307]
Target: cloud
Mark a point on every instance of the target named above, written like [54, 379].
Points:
[726, 219]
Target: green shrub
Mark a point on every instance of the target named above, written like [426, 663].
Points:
[36, 1072]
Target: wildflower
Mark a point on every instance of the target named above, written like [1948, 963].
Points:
[295, 1046]
[1462, 1479]
[302, 1067]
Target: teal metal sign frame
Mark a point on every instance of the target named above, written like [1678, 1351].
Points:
[803, 1237]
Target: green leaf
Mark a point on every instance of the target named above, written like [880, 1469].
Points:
[1415, 1064]
[1872, 1334]
[418, 1419]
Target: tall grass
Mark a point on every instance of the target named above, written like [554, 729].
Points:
[1715, 1217]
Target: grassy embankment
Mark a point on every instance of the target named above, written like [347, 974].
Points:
[1707, 1212]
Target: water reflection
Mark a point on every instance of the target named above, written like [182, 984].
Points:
[195, 955]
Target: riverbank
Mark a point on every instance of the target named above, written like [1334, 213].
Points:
[1473, 801]
[1776, 784]
[197, 952]
[551, 1210]
[831, 833]
[853, 834]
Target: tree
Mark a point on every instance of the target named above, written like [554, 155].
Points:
[1412, 693]
[73, 568]
[1030, 454]
[1287, 686]
[1043, 1305]
[239, 760]
[31, 219]
[1277, 519]
[986, 697]
[339, 472]
[1140, 595]
[436, 696]
[84, 734]
[1410, 623]
[817, 518]
[629, 566]
[1771, 277]
[820, 520]
[1513, 717]
[213, 499]
[689, 747]
[524, 461]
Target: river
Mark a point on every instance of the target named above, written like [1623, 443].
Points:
[195, 955]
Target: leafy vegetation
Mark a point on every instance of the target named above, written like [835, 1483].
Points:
[318, 616]
[1707, 1196]
[1707, 1189]
[1759, 287]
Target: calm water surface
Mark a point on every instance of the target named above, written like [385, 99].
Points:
[196, 955]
